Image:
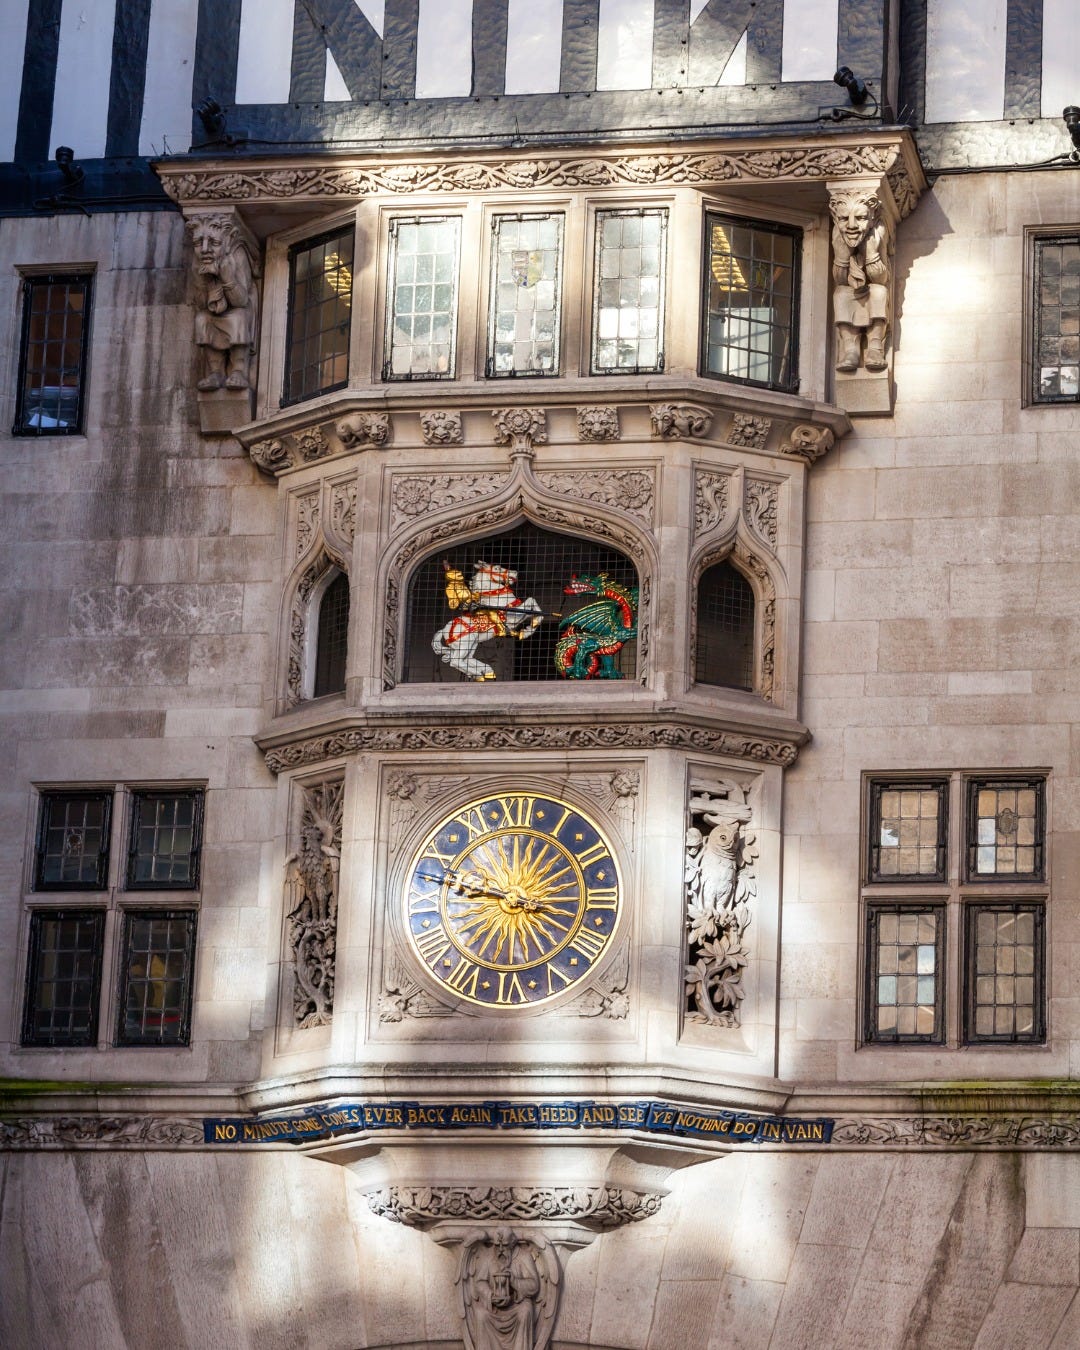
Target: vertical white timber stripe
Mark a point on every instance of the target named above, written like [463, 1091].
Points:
[12, 44]
[170, 62]
[533, 46]
[1061, 56]
[264, 67]
[444, 49]
[965, 60]
[624, 44]
[83, 68]
[810, 33]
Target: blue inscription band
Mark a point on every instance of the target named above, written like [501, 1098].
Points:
[325, 1122]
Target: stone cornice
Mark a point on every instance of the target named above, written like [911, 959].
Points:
[887, 153]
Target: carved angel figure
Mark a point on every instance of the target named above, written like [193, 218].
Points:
[311, 892]
[508, 1289]
[720, 887]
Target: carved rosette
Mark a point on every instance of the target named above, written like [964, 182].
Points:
[414, 495]
[711, 492]
[310, 444]
[600, 1207]
[357, 431]
[721, 888]
[808, 443]
[748, 432]
[671, 421]
[520, 429]
[598, 424]
[442, 427]
[630, 490]
[311, 902]
[761, 508]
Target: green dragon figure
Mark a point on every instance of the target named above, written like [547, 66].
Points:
[591, 637]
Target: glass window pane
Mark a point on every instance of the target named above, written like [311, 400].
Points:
[421, 322]
[523, 319]
[164, 849]
[320, 315]
[53, 356]
[907, 836]
[1005, 829]
[73, 841]
[907, 1004]
[64, 978]
[156, 978]
[628, 316]
[1005, 961]
[1055, 321]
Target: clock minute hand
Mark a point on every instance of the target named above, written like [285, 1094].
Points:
[458, 881]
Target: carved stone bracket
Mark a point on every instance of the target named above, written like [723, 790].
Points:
[311, 900]
[671, 421]
[599, 1207]
[598, 424]
[520, 429]
[358, 430]
[534, 736]
[355, 431]
[808, 443]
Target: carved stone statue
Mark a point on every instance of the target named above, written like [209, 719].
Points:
[860, 241]
[509, 1290]
[720, 887]
[226, 297]
[311, 891]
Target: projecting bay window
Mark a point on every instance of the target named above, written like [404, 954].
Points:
[955, 864]
[750, 323]
[53, 353]
[320, 315]
[628, 291]
[422, 299]
[526, 278]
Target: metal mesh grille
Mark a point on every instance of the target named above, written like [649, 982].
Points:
[725, 629]
[905, 976]
[751, 311]
[73, 843]
[545, 564]
[320, 311]
[628, 291]
[164, 840]
[1005, 944]
[155, 981]
[333, 636]
[1056, 340]
[52, 363]
[65, 974]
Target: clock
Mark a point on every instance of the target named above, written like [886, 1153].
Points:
[512, 899]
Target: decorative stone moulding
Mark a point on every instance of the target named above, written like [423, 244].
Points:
[749, 432]
[441, 427]
[712, 494]
[886, 154]
[599, 1207]
[308, 445]
[630, 490]
[598, 424]
[413, 495]
[358, 430]
[760, 508]
[672, 421]
[520, 428]
[311, 902]
[808, 443]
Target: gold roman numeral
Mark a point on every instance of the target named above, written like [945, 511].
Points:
[593, 854]
[607, 898]
[463, 977]
[510, 988]
[434, 945]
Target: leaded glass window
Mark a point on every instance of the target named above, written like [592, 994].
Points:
[526, 277]
[320, 315]
[73, 841]
[157, 960]
[527, 604]
[53, 355]
[907, 831]
[64, 977]
[422, 299]
[331, 644]
[905, 948]
[724, 651]
[165, 840]
[750, 331]
[1005, 829]
[1056, 321]
[628, 291]
[1005, 975]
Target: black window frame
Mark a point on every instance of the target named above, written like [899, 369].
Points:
[905, 907]
[138, 797]
[38, 917]
[288, 398]
[46, 802]
[973, 784]
[1039, 240]
[879, 786]
[182, 1039]
[972, 909]
[793, 232]
[31, 282]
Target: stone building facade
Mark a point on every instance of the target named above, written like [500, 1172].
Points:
[541, 786]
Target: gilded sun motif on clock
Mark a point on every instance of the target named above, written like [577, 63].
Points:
[512, 899]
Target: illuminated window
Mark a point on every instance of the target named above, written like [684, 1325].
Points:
[51, 396]
[750, 329]
[628, 291]
[422, 299]
[320, 315]
[526, 276]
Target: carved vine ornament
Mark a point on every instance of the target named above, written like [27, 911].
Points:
[311, 898]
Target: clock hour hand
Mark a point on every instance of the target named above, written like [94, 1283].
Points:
[465, 882]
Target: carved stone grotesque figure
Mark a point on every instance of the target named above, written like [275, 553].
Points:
[509, 1288]
[860, 241]
[311, 887]
[226, 300]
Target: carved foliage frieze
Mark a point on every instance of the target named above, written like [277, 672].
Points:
[712, 494]
[762, 497]
[413, 495]
[721, 889]
[630, 490]
[343, 511]
[311, 901]
[307, 521]
[595, 1206]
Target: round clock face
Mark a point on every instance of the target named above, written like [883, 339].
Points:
[512, 899]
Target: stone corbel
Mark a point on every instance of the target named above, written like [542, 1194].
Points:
[226, 266]
[864, 218]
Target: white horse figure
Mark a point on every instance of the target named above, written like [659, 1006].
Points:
[489, 608]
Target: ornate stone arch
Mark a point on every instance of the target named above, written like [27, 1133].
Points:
[748, 560]
[303, 594]
[538, 508]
